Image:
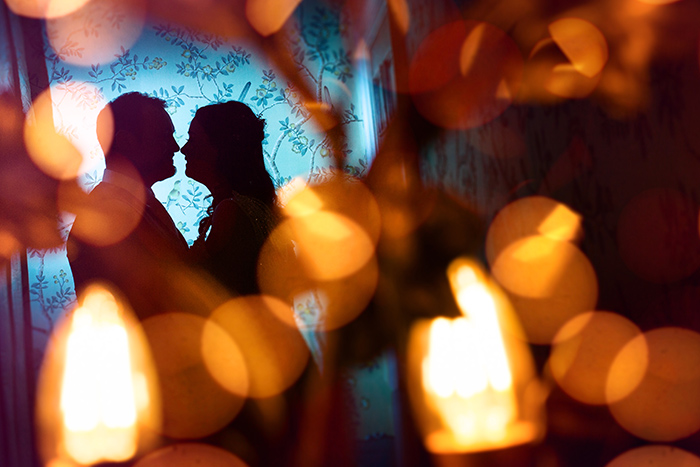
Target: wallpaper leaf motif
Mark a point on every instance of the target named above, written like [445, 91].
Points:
[189, 69]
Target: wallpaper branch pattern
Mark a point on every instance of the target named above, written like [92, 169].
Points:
[190, 69]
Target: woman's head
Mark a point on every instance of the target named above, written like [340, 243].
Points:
[225, 147]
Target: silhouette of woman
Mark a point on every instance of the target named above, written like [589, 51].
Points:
[224, 152]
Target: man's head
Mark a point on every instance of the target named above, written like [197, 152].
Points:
[142, 134]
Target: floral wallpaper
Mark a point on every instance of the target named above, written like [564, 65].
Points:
[188, 69]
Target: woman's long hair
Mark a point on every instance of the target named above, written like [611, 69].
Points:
[237, 134]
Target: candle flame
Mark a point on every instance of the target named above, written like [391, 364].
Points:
[471, 382]
[100, 395]
[472, 385]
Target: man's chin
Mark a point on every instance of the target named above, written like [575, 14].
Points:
[166, 174]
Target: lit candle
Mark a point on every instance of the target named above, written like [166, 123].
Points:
[469, 393]
[98, 378]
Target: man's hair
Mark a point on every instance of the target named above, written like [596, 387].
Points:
[129, 113]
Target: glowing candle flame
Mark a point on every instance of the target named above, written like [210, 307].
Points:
[472, 384]
[99, 398]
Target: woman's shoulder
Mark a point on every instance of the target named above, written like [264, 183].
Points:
[226, 206]
[225, 216]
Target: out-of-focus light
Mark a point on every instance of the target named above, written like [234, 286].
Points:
[657, 235]
[336, 302]
[657, 2]
[274, 352]
[337, 193]
[567, 82]
[51, 151]
[655, 456]
[224, 359]
[470, 48]
[403, 207]
[549, 282]
[401, 13]
[330, 246]
[567, 65]
[269, 16]
[465, 74]
[582, 43]
[75, 111]
[302, 203]
[195, 404]
[583, 352]
[664, 406]
[8, 245]
[471, 379]
[104, 389]
[190, 454]
[627, 370]
[329, 234]
[105, 217]
[289, 190]
[533, 215]
[45, 9]
[98, 32]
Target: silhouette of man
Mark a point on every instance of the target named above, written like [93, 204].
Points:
[122, 234]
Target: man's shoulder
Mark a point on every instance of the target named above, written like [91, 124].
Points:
[107, 215]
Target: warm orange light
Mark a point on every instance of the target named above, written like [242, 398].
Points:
[657, 2]
[116, 26]
[465, 74]
[338, 193]
[45, 8]
[582, 43]
[664, 406]
[189, 454]
[269, 16]
[532, 215]
[97, 387]
[195, 404]
[106, 216]
[97, 395]
[330, 246]
[583, 353]
[566, 81]
[274, 352]
[401, 13]
[656, 454]
[472, 379]
[61, 136]
[548, 282]
[51, 151]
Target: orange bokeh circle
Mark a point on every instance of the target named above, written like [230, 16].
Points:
[583, 352]
[548, 281]
[190, 454]
[655, 456]
[664, 406]
[194, 403]
[465, 74]
[274, 352]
